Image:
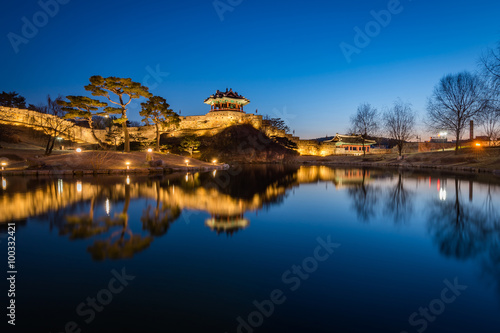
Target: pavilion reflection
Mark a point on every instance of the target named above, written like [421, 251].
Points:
[227, 224]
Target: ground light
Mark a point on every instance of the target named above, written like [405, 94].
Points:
[478, 146]
[78, 150]
[4, 165]
[214, 161]
[128, 165]
[150, 150]
[187, 162]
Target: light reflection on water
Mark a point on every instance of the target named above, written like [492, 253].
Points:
[206, 245]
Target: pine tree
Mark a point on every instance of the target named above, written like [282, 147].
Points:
[123, 88]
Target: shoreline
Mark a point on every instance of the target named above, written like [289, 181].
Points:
[108, 172]
[171, 170]
[451, 168]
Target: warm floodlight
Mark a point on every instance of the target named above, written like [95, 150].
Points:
[4, 165]
[214, 161]
[478, 145]
[78, 150]
[150, 150]
[187, 162]
[128, 165]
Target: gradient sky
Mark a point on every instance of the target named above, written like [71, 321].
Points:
[282, 55]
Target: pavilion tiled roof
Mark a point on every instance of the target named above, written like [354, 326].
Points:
[228, 94]
[350, 139]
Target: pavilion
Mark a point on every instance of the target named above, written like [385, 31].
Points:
[226, 101]
[351, 143]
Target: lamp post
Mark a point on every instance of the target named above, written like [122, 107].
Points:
[443, 134]
[478, 147]
[214, 162]
[128, 165]
[187, 163]
[3, 165]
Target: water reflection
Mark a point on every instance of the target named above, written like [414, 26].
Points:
[468, 232]
[97, 209]
[364, 195]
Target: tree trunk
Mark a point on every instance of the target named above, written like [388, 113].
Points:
[157, 138]
[457, 142]
[48, 145]
[126, 143]
[91, 125]
[400, 149]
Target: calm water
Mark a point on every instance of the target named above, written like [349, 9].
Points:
[264, 249]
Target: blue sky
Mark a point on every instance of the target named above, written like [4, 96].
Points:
[284, 56]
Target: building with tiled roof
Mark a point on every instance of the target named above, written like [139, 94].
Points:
[226, 101]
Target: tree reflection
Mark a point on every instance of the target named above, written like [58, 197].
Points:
[465, 232]
[157, 220]
[459, 229]
[399, 201]
[122, 243]
[84, 226]
[364, 198]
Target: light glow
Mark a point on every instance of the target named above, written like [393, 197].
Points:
[78, 150]
[79, 186]
[442, 194]
[4, 183]
[108, 206]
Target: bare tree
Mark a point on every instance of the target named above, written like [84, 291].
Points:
[51, 123]
[365, 122]
[490, 121]
[399, 123]
[490, 63]
[457, 99]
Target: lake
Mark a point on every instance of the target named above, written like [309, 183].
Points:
[254, 249]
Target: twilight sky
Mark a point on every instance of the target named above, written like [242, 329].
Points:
[285, 56]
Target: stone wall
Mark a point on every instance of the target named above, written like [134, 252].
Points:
[209, 124]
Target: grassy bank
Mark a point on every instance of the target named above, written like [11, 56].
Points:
[468, 159]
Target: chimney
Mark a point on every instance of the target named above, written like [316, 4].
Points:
[472, 130]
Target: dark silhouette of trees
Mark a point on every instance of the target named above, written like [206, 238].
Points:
[157, 111]
[12, 100]
[53, 125]
[457, 99]
[277, 123]
[399, 123]
[365, 122]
